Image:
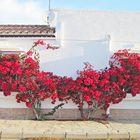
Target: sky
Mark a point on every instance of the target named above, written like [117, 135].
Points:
[32, 11]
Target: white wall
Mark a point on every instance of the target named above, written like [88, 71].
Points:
[83, 36]
[71, 57]
[10, 102]
[21, 43]
[91, 24]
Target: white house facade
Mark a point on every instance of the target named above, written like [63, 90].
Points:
[82, 36]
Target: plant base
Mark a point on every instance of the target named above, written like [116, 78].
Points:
[61, 114]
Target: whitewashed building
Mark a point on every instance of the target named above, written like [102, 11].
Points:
[82, 36]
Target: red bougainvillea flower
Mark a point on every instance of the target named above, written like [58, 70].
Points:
[88, 81]
[40, 42]
[87, 98]
[29, 105]
[7, 93]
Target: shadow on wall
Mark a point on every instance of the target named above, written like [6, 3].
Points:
[70, 58]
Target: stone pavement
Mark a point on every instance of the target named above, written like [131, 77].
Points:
[20, 129]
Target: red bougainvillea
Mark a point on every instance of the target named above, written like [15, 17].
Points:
[90, 91]
[129, 65]
[9, 70]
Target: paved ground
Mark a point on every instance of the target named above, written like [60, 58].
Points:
[14, 129]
